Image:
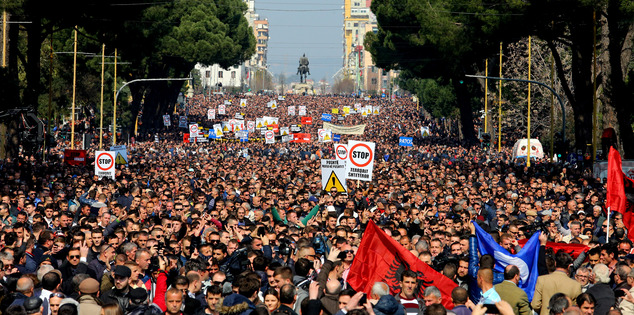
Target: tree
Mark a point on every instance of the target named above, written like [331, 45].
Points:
[158, 39]
[438, 99]
[444, 39]
[343, 86]
[617, 21]
[427, 40]
[281, 80]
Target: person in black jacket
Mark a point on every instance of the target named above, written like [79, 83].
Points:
[121, 291]
[138, 304]
[73, 266]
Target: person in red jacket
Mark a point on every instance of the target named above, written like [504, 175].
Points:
[160, 283]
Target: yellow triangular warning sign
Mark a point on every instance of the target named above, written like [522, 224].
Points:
[218, 133]
[333, 181]
[326, 137]
[225, 129]
[259, 125]
[119, 160]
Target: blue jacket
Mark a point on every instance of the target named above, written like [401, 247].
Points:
[388, 305]
[474, 265]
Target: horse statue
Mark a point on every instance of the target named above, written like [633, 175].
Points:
[303, 70]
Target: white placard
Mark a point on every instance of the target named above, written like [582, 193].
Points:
[360, 161]
[104, 164]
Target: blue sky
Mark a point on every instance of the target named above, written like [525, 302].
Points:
[301, 26]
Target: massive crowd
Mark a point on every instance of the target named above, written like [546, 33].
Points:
[230, 227]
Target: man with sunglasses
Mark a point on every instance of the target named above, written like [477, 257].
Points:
[72, 266]
[54, 301]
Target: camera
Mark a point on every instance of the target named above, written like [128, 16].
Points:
[285, 248]
[154, 264]
[319, 244]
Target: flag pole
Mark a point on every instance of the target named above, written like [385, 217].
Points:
[607, 236]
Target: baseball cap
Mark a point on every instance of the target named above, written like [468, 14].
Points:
[138, 295]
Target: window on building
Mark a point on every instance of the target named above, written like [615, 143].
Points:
[374, 81]
[233, 74]
[207, 73]
[220, 74]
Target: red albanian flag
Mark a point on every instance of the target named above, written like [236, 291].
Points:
[381, 259]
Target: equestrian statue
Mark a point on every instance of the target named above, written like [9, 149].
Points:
[303, 70]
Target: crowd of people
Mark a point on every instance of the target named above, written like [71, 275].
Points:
[230, 227]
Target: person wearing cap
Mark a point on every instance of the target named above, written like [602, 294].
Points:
[89, 303]
[33, 305]
[138, 304]
[121, 291]
[531, 216]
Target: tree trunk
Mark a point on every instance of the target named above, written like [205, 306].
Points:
[466, 112]
[619, 53]
[34, 47]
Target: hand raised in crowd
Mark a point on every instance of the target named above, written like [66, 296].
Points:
[333, 255]
[313, 290]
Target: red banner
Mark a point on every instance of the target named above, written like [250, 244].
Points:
[301, 137]
[573, 249]
[382, 259]
[186, 138]
[306, 120]
[75, 157]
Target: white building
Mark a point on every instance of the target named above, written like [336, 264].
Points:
[211, 76]
[242, 75]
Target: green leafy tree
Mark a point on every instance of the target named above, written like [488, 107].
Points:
[156, 39]
[429, 41]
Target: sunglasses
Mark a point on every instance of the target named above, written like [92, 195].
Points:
[58, 295]
[73, 256]
[8, 267]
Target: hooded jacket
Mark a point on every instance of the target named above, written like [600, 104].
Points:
[388, 305]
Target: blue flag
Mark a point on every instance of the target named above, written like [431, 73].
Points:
[525, 260]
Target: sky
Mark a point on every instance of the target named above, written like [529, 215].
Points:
[302, 26]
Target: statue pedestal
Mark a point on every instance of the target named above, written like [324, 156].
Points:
[303, 88]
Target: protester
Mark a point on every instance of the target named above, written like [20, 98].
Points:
[234, 227]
